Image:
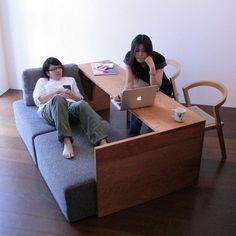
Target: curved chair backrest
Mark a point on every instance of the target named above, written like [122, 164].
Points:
[173, 76]
[211, 83]
[212, 122]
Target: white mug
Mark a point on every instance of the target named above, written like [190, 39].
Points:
[179, 114]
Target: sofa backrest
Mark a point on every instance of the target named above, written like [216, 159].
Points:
[30, 77]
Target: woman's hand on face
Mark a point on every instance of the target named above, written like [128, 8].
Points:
[150, 62]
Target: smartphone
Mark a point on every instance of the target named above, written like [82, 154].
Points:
[66, 86]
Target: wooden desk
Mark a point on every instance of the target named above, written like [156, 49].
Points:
[138, 169]
[158, 117]
[111, 84]
[99, 88]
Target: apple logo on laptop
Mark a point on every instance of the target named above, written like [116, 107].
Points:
[139, 98]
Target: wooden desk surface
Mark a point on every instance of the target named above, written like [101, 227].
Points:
[158, 117]
[111, 84]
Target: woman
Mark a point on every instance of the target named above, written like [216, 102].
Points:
[61, 104]
[144, 67]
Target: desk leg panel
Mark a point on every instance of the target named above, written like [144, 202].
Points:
[136, 170]
[96, 97]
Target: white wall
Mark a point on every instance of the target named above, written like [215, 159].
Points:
[201, 35]
[3, 70]
[4, 82]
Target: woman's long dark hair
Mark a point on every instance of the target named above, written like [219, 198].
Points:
[147, 44]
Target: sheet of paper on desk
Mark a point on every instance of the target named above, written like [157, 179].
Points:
[103, 68]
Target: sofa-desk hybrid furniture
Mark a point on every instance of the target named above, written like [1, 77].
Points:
[123, 173]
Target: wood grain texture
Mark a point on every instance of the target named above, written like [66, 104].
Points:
[96, 97]
[146, 167]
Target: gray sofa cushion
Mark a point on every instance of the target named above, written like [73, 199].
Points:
[71, 182]
[29, 125]
[30, 77]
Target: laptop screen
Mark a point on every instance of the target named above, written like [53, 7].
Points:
[137, 98]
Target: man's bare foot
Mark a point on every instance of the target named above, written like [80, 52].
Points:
[103, 141]
[68, 151]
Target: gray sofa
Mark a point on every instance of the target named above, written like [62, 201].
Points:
[71, 182]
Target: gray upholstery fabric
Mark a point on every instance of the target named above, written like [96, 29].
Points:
[71, 182]
[30, 77]
[29, 125]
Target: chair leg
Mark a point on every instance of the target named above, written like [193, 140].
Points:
[222, 142]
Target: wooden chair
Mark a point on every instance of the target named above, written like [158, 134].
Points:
[212, 121]
[175, 72]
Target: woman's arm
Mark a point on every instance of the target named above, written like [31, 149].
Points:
[129, 82]
[155, 75]
[129, 78]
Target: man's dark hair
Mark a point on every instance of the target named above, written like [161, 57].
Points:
[51, 61]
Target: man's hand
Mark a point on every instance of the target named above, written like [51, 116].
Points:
[68, 94]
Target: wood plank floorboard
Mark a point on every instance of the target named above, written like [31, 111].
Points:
[27, 207]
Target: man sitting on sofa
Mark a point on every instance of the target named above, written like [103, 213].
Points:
[61, 104]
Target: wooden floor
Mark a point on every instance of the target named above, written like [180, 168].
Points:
[27, 207]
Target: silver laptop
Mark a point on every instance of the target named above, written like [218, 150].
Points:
[136, 98]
